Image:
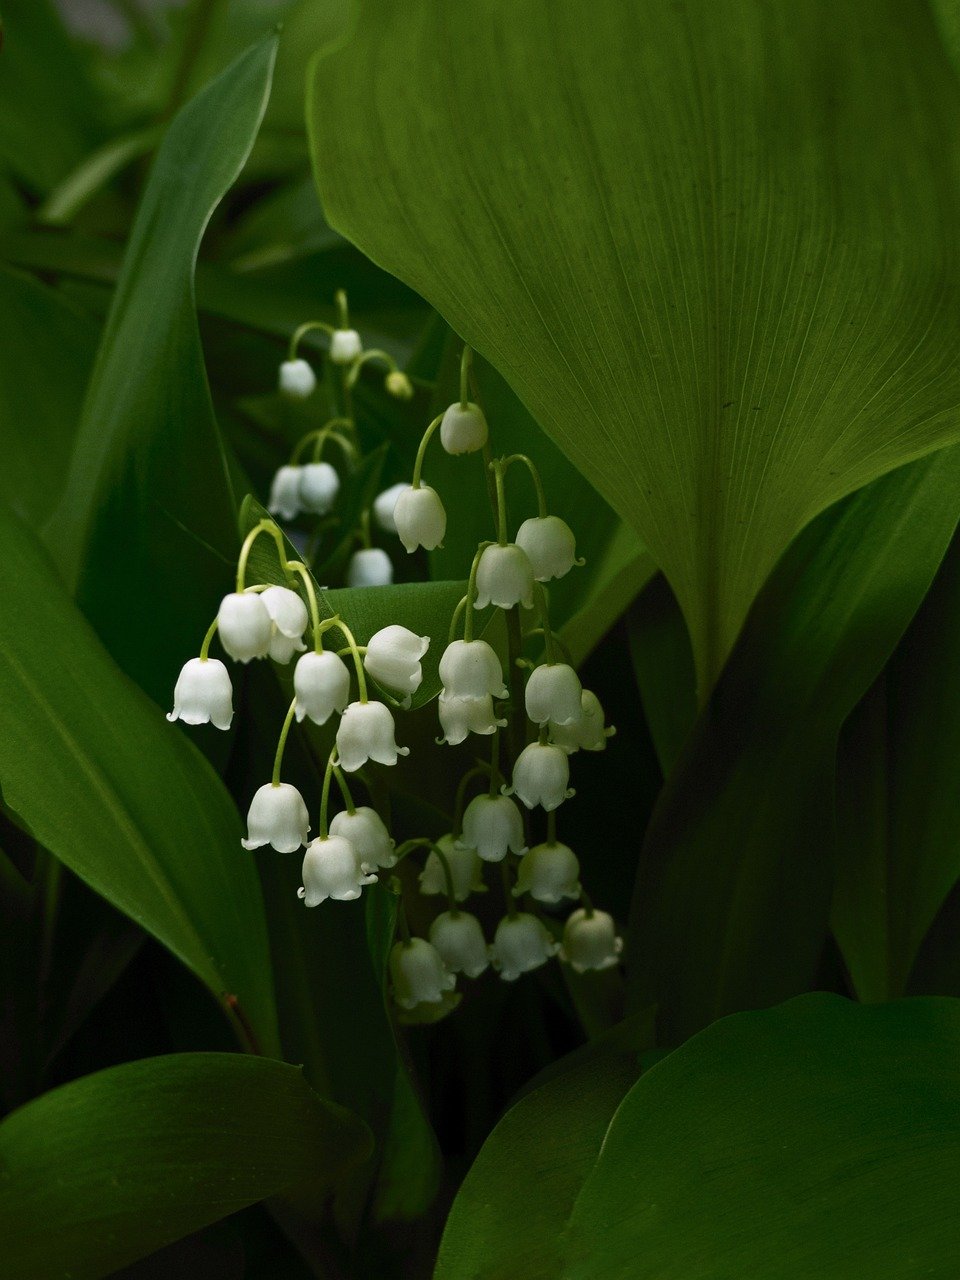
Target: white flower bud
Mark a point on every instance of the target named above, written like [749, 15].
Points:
[277, 816]
[365, 830]
[460, 716]
[463, 429]
[321, 682]
[398, 385]
[590, 941]
[553, 693]
[520, 944]
[287, 610]
[492, 825]
[245, 626]
[204, 694]
[459, 939]
[366, 732]
[319, 486]
[549, 873]
[285, 493]
[331, 869]
[587, 732]
[471, 669]
[419, 517]
[345, 346]
[550, 545]
[393, 658]
[465, 870]
[504, 578]
[418, 974]
[541, 776]
[383, 505]
[282, 648]
[297, 379]
[369, 567]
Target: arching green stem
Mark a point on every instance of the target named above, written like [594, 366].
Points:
[457, 614]
[458, 804]
[472, 591]
[544, 611]
[315, 437]
[501, 502]
[344, 790]
[284, 732]
[466, 361]
[343, 310]
[263, 526]
[531, 466]
[302, 331]
[421, 452]
[373, 354]
[325, 793]
[208, 639]
[354, 648]
[295, 566]
[447, 875]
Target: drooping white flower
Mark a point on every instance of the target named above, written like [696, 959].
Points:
[549, 872]
[365, 830]
[419, 517]
[369, 567]
[459, 939]
[398, 385]
[465, 870]
[553, 694]
[460, 716]
[463, 428]
[471, 669]
[590, 941]
[285, 493]
[587, 732]
[383, 505]
[297, 379]
[419, 975]
[345, 346]
[550, 546]
[204, 694]
[504, 577]
[277, 816]
[520, 944]
[331, 869]
[492, 825]
[321, 682]
[319, 486]
[282, 648]
[245, 626]
[541, 775]
[287, 611]
[393, 658]
[366, 732]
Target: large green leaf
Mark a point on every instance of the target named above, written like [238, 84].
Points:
[711, 246]
[115, 1165]
[820, 1138]
[93, 770]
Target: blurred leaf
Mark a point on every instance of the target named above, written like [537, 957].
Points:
[96, 774]
[93, 173]
[615, 578]
[663, 665]
[129, 1159]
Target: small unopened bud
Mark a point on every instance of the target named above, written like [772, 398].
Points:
[345, 346]
[399, 385]
[463, 429]
[297, 379]
[369, 567]
[285, 494]
[319, 486]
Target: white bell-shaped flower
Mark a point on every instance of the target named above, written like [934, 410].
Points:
[245, 626]
[398, 385]
[463, 428]
[345, 346]
[419, 517]
[277, 816]
[287, 611]
[465, 870]
[285, 494]
[520, 944]
[319, 486]
[553, 694]
[588, 732]
[549, 873]
[471, 669]
[383, 505]
[492, 825]
[541, 775]
[331, 869]
[393, 658]
[369, 567]
[366, 732]
[504, 577]
[460, 716]
[297, 379]
[365, 830]
[550, 546]
[418, 974]
[321, 683]
[204, 694]
[459, 939]
[590, 941]
[282, 648]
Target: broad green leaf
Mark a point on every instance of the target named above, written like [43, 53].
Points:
[618, 575]
[93, 770]
[736, 873]
[663, 664]
[712, 247]
[819, 1138]
[115, 1165]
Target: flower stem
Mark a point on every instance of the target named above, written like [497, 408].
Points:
[458, 805]
[302, 331]
[262, 526]
[466, 360]
[354, 650]
[544, 611]
[278, 758]
[457, 613]
[373, 354]
[344, 790]
[325, 794]
[421, 451]
[447, 875]
[501, 503]
[534, 476]
[208, 638]
[295, 566]
[472, 591]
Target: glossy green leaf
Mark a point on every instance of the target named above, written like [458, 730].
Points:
[819, 1138]
[663, 665]
[711, 247]
[736, 873]
[115, 1165]
[93, 770]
